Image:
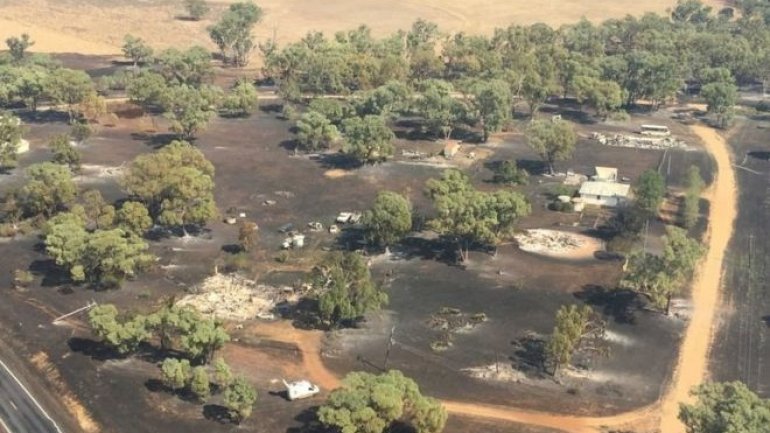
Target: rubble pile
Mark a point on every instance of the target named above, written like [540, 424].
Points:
[233, 297]
[548, 241]
[639, 142]
[448, 321]
[500, 372]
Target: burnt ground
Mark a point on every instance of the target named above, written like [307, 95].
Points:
[254, 165]
[742, 343]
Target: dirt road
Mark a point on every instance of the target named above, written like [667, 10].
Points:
[692, 367]
[692, 364]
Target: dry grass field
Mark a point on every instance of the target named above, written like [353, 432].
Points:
[98, 26]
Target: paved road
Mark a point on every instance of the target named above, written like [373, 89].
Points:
[19, 411]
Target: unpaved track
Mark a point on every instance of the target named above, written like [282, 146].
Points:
[692, 364]
[692, 367]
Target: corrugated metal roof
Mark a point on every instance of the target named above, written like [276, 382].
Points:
[605, 189]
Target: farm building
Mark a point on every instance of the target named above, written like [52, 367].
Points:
[608, 194]
[450, 149]
[605, 174]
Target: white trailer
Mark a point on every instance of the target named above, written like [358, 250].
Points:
[300, 389]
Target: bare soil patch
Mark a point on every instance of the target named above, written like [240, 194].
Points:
[89, 26]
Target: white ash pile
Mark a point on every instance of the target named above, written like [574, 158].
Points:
[639, 142]
[543, 241]
[233, 297]
[500, 372]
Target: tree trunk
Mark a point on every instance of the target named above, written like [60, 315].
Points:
[668, 304]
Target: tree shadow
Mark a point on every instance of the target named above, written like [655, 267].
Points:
[766, 320]
[96, 350]
[234, 115]
[570, 111]
[308, 419]
[47, 116]
[290, 145]
[620, 304]
[533, 166]
[217, 413]
[441, 249]
[157, 386]
[186, 18]
[271, 108]
[53, 275]
[283, 394]
[529, 355]
[232, 248]
[156, 140]
[338, 160]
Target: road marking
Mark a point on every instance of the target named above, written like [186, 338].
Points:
[56, 426]
[5, 426]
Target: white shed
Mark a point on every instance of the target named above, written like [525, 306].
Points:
[608, 194]
[605, 174]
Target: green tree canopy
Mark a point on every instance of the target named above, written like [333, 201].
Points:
[136, 49]
[199, 383]
[552, 140]
[469, 216]
[389, 219]
[124, 336]
[333, 109]
[694, 185]
[508, 172]
[241, 100]
[97, 213]
[232, 33]
[175, 183]
[574, 323]
[439, 107]
[649, 191]
[64, 153]
[189, 109]
[133, 217]
[196, 9]
[315, 132]
[223, 373]
[729, 407]
[176, 373]
[191, 67]
[18, 45]
[661, 277]
[368, 139]
[147, 88]
[49, 189]
[369, 403]
[11, 131]
[203, 338]
[101, 257]
[345, 289]
[493, 104]
[68, 87]
[721, 94]
[239, 399]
